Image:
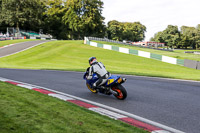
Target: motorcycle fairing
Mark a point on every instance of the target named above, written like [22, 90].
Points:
[111, 80]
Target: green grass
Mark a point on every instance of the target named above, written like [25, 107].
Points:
[28, 111]
[7, 42]
[74, 55]
[176, 53]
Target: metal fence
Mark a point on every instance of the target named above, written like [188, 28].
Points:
[10, 38]
[119, 42]
[183, 62]
[106, 40]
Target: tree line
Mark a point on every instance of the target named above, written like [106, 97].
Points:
[130, 31]
[186, 37]
[66, 19]
[74, 19]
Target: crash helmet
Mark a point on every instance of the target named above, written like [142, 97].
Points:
[92, 60]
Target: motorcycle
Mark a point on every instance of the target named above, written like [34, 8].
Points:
[112, 86]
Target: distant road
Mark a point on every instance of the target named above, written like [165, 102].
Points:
[18, 47]
[173, 103]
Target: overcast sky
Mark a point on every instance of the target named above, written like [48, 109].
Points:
[154, 14]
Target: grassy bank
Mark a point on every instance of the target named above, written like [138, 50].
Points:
[176, 53]
[28, 111]
[74, 55]
[7, 42]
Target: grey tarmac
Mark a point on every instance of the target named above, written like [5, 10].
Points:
[174, 103]
[5, 51]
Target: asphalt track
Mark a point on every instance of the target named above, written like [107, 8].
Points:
[18, 47]
[173, 103]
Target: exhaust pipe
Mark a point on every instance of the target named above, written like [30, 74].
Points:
[123, 79]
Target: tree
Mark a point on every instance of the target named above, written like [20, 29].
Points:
[158, 37]
[184, 41]
[54, 24]
[22, 13]
[171, 35]
[114, 30]
[187, 37]
[93, 19]
[191, 34]
[84, 18]
[0, 4]
[2, 25]
[197, 36]
[131, 31]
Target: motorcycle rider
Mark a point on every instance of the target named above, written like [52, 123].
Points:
[99, 69]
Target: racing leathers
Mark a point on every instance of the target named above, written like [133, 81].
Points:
[99, 69]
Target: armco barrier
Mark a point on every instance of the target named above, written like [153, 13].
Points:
[156, 56]
[124, 50]
[115, 48]
[190, 63]
[144, 54]
[132, 51]
[180, 62]
[41, 38]
[10, 38]
[171, 60]
[198, 65]
[100, 45]
[32, 37]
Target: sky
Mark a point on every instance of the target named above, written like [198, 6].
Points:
[156, 15]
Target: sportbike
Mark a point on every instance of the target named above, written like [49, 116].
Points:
[112, 86]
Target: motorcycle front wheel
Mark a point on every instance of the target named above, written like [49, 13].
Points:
[91, 89]
[121, 92]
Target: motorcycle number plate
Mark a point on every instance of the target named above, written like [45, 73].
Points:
[110, 81]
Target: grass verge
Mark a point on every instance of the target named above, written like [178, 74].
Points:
[176, 53]
[28, 111]
[7, 42]
[74, 55]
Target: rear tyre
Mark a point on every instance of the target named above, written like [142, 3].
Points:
[121, 92]
[91, 89]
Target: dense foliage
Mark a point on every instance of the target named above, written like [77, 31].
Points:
[65, 19]
[126, 31]
[183, 38]
[54, 24]
[84, 18]
[74, 19]
[22, 13]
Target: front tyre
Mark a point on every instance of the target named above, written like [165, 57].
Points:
[121, 92]
[91, 89]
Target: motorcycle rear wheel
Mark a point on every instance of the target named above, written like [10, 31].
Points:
[122, 94]
[91, 89]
